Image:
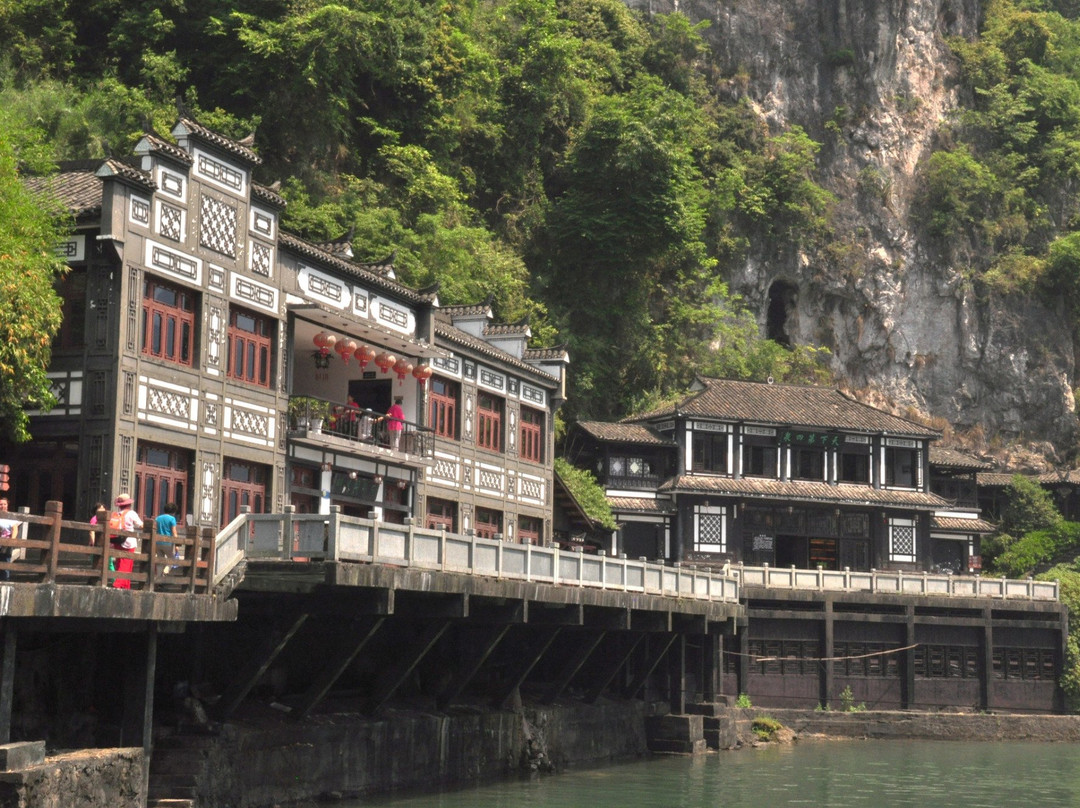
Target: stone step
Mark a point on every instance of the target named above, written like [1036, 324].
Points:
[668, 747]
[167, 802]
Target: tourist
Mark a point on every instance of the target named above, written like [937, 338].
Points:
[396, 416]
[127, 519]
[9, 529]
[98, 510]
[165, 525]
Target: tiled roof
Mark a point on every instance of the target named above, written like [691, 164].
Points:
[555, 354]
[195, 129]
[158, 144]
[446, 330]
[992, 479]
[1066, 476]
[625, 433]
[267, 195]
[842, 494]
[469, 310]
[507, 330]
[79, 190]
[951, 458]
[118, 168]
[958, 524]
[640, 504]
[309, 250]
[797, 405]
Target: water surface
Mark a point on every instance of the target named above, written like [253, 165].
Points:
[831, 774]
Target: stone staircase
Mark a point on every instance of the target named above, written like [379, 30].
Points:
[177, 768]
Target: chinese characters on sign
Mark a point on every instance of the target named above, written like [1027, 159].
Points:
[822, 439]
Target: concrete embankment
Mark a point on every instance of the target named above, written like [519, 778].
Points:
[916, 726]
[270, 760]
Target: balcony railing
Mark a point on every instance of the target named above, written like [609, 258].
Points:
[366, 428]
[52, 550]
[334, 537]
[896, 582]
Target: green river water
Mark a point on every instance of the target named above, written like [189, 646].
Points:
[830, 774]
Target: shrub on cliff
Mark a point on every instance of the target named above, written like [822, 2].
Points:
[1036, 548]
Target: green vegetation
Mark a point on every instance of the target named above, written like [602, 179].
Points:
[765, 727]
[587, 491]
[1002, 194]
[29, 308]
[1031, 531]
[847, 701]
[743, 701]
[569, 158]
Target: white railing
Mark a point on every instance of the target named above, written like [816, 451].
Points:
[896, 582]
[334, 537]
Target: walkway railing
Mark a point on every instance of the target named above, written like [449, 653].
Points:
[51, 549]
[896, 582]
[336, 537]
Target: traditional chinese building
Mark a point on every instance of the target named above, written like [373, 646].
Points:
[210, 359]
[776, 474]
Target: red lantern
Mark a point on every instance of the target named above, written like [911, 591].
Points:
[364, 354]
[422, 374]
[402, 368]
[324, 342]
[345, 348]
[385, 360]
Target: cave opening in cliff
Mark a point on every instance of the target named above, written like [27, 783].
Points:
[782, 298]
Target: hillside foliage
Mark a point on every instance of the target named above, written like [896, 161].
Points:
[569, 158]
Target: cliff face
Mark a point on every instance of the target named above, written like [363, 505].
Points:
[874, 82]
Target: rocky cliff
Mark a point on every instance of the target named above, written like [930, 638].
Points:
[874, 82]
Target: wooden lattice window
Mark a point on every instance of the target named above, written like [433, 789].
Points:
[168, 322]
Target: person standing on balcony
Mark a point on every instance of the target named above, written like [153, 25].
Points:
[9, 529]
[125, 518]
[165, 525]
[396, 416]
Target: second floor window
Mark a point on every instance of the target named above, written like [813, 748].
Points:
[901, 466]
[532, 435]
[168, 322]
[854, 467]
[489, 412]
[808, 464]
[759, 460]
[250, 341]
[444, 403]
[710, 452]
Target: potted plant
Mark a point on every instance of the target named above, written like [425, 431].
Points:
[308, 413]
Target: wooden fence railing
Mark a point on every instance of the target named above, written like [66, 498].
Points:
[51, 549]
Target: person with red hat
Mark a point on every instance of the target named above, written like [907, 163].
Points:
[125, 518]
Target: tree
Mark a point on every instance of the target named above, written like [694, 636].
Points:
[1030, 507]
[29, 306]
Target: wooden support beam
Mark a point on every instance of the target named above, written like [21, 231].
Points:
[259, 665]
[465, 675]
[677, 678]
[352, 642]
[7, 680]
[616, 664]
[583, 649]
[525, 664]
[137, 693]
[392, 677]
[907, 682]
[650, 666]
[828, 643]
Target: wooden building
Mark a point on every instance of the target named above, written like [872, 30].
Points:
[783, 475]
[211, 359]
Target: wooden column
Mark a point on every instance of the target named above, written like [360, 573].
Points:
[677, 676]
[713, 667]
[7, 680]
[136, 720]
[986, 679]
[907, 682]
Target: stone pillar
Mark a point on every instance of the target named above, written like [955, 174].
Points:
[828, 646]
[986, 649]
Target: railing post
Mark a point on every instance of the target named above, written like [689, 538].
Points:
[333, 525]
[54, 510]
[602, 554]
[287, 534]
[442, 548]
[409, 543]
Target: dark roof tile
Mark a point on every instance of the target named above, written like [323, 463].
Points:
[624, 433]
[797, 405]
[842, 494]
